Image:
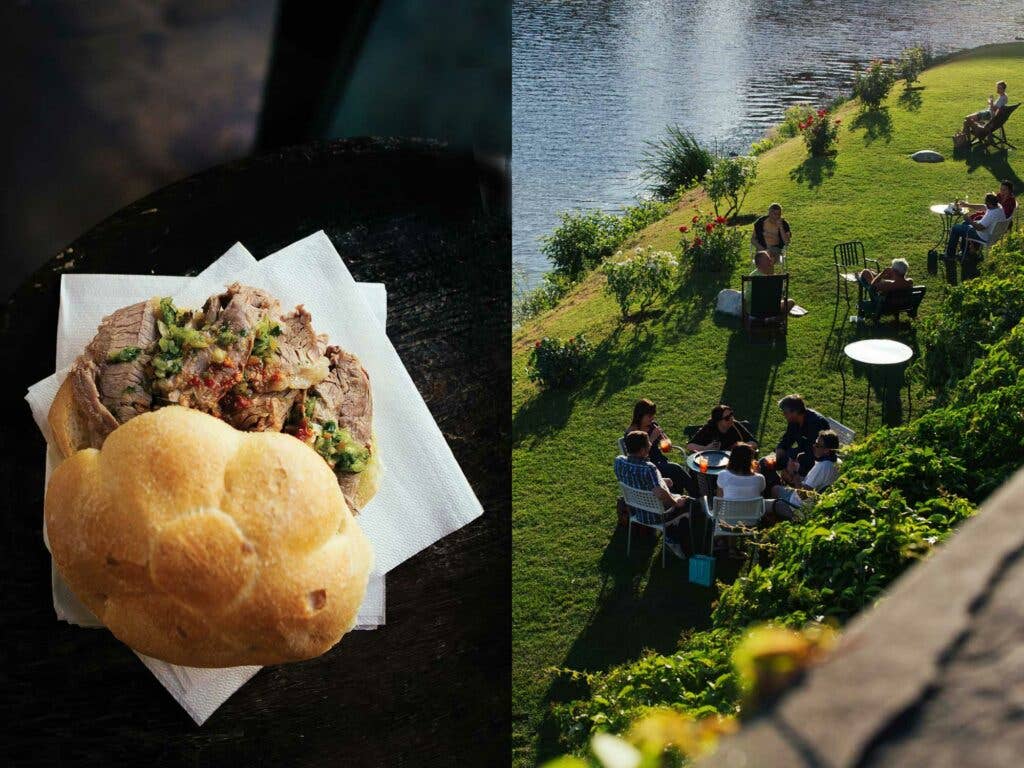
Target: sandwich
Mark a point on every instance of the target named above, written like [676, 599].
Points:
[212, 463]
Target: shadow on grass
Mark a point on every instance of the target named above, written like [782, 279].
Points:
[630, 617]
[814, 170]
[996, 163]
[750, 372]
[910, 99]
[876, 123]
[740, 221]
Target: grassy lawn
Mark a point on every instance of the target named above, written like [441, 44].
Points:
[578, 601]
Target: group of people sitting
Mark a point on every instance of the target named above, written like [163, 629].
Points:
[805, 459]
[980, 224]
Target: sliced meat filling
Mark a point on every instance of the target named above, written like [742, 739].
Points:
[291, 362]
[230, 325]
[335, 417]
[109, 379]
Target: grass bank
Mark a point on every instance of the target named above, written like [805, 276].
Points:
[578, 601]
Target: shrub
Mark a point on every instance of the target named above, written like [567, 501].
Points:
[819, 132]
[911, 64]
[729, 180]
[527, 304]
[644, 213]
[556, 363]
[976, 313]
[793, 117]
[1002, 366]
[674, 162]
[582, 240]
[642, 276]
[710, 243]
[873, 84]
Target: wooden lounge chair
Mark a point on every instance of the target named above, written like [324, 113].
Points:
[764, 302]
[873, 305]
[993, 133]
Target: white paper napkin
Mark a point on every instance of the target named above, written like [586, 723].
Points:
[84, 301]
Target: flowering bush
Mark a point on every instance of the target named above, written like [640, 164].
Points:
[873, 84]
[729, 180]
[819, 132]
[710, 243]
[643, 275]
[556, 363]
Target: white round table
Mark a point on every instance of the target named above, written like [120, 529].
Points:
[878, 353]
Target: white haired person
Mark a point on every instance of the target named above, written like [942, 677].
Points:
[892, 278]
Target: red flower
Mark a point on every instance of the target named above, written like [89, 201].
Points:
[709, 227]
[697, 242]
[720, 219]
[684, 228]
[821, 113]
[537, 345]
[695, 219]
[838, 122]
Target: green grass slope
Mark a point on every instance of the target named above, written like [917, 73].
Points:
[578, 601]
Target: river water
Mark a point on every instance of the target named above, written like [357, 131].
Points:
[592, 79]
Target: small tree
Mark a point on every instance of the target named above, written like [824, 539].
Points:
[641, 276]
[873, 84]
[911, 64]
[582, 240]
[819, 132]
[729, 180]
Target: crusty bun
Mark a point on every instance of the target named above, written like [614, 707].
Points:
[69, 429]
[206, 546]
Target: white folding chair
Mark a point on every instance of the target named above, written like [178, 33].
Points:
[646, 509]
[998, 230]
[734, 517]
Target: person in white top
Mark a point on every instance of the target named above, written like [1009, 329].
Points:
[822, 474]
[994, 106]
[739, 480]
[979, 231]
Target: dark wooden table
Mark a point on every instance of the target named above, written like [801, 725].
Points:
[432, 687]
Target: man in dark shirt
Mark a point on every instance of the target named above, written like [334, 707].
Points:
[803, 426]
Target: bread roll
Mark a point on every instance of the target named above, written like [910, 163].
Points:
[205, 546]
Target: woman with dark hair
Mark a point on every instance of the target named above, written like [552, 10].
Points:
[721, 432]
[739, 480]
[643, 421]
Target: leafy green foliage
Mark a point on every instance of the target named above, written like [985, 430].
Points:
[641, 275]
[873, 84]
[675, 162]
[728, 181]
[582, 240]
[911, 64]
[976, 313]
[557, 363]
[710, 242]
[553, 286]
[699, 679]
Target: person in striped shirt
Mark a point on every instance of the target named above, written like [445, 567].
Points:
[637, 471]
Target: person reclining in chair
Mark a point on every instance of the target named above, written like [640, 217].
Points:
[765, 267]
[977, 231]
[771, 232]
[976, 121]
[892, 278]
[635, 470]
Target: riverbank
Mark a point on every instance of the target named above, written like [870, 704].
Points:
[578, 602]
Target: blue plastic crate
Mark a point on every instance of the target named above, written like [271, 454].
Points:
[702, 570]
